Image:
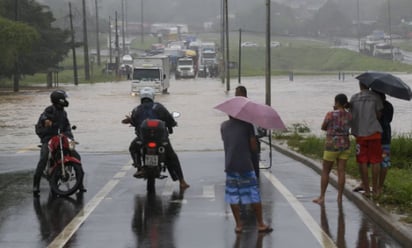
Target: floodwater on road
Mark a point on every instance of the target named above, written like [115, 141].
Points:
[97, 109]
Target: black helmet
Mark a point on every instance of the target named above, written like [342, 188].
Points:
[58, 97]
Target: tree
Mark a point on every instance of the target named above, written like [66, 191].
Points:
[16, 38]
[330, 21]
[47, 51]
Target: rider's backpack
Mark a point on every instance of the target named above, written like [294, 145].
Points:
[153, 130]
[143, 112]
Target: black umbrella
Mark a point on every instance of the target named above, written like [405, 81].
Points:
[386, 83]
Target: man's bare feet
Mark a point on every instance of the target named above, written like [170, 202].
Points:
[184, 185]
[265, 229]
[319, 200]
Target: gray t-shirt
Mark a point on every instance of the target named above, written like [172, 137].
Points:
[236, 136]
[364, 107]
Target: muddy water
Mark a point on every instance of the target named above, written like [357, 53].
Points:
[96, 109]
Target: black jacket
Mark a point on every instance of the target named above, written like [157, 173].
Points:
[159, 112]
[58, 116]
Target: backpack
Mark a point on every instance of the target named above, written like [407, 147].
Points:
[39, 127]
[143, 112]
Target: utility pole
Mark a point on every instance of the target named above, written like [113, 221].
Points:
[97, 33]
[240, 56]
[117, 46]
[123, 36]
[390, 28]
[76, 77]
[141, 22]
[227, 46]
[110, 41]
[16, 75]
[358, 17]
[222, 42]
[268, 59]
[85, 45]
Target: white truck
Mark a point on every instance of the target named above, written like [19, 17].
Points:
[185, 68]
[152, 71]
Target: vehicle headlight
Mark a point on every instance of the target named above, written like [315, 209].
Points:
[72, 144]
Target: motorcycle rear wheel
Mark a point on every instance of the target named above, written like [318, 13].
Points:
[68, 184]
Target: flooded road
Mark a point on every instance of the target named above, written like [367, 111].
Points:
[117, 212]
[96, 109]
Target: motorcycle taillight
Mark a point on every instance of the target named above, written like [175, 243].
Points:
[151, 144]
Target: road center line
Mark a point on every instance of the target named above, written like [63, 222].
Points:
[304, 215]
[77, 221]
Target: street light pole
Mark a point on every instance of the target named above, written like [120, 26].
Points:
[222, 42]
[240, 56]
[358, 17]
[97, 33]
[390, 29]
[268, 55]
[227, 47]
[141, 22]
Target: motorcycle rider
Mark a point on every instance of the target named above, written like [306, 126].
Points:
[54, 117]
[158, 111]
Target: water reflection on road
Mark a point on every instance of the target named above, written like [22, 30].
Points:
[153, 219]
[55, 213]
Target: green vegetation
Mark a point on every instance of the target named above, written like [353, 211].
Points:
[397, 192]
[302, 56]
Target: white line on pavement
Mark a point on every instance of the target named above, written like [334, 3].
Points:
[71, 228]
[304, 215]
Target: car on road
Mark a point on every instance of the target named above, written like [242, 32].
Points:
[274, 44]
[248, 44]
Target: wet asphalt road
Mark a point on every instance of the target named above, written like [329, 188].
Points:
[117, 212]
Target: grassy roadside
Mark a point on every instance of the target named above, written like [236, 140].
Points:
[297, 55]
[397, 192]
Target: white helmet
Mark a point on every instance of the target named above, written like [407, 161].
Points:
[147, 93]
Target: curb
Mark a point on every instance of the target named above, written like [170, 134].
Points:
[384, 219]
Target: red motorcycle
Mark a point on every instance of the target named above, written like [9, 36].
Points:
[64, 169]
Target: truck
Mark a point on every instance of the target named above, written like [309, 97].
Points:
[151, 71]
[185, 68]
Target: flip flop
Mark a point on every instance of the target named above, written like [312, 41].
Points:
[266, 230]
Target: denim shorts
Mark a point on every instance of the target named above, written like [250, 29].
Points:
[386, 156]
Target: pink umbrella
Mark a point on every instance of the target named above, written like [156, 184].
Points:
[244, 109]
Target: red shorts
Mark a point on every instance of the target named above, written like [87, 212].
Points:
[368, 151]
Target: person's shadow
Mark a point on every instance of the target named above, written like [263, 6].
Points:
[340, 237]
[55, 213]
[153, 219]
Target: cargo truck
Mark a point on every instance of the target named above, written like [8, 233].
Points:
[152, 71]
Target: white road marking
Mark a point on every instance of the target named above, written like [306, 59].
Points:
[120, 174]
[73, 226]
[304, 215]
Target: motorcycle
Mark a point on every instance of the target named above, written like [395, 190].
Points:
[63, 169]
[153, 145]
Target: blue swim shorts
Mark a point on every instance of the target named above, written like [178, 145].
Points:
[386, 156]
[242, 188]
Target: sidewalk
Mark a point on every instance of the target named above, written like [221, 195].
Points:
[400, 231]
